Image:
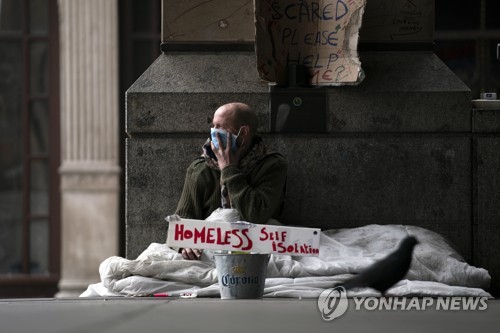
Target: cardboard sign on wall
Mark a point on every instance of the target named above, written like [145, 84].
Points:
[321, 35]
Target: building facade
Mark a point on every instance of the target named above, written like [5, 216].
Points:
[64, 68]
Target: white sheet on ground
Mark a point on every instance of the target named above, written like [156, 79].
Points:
[436, 269]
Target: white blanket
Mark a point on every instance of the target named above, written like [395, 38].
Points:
[436, 269]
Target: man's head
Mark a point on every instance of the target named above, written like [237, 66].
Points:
[239, 119]
[236, 117]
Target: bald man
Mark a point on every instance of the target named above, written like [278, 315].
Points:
[236, 170]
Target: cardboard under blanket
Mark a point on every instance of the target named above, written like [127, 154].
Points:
[321, 35]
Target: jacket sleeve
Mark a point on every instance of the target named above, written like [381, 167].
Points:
[258, 196]
[190, 202]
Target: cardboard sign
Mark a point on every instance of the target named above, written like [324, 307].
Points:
[321, 35]
[243, 236]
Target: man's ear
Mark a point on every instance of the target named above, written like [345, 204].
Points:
[244, 134]
[245, 129]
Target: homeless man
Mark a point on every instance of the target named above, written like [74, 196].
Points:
[236, 170]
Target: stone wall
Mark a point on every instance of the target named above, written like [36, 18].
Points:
[403, 147]
[399, 148]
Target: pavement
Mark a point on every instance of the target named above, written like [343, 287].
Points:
[123, 315]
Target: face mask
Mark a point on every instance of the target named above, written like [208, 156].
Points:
[223, 136]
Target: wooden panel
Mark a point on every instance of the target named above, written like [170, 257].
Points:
[207, 21]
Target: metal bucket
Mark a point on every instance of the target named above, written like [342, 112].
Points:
[241, 275]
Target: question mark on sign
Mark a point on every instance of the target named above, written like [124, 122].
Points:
[339, 70]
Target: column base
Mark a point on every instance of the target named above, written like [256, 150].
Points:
[72, 288]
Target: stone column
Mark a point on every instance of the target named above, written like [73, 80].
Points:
[89, 140]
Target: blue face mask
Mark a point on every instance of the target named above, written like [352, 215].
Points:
[223, 136]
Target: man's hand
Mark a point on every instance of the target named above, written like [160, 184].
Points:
[225, 156]
[190, 254]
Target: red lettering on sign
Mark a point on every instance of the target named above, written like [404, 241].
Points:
[274, 235]
[210, 236]
[249, 241]
[264, 236]
[179, 231]
[223, 239]
[199, 235]
[235, 232]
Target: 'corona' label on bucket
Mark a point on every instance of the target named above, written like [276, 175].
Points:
[228, 279]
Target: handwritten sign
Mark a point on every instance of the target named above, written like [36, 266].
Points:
[244, 236]
[321, 35]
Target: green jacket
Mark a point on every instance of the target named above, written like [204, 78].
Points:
[258, 195]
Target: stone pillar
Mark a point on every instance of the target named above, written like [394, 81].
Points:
[89, 140]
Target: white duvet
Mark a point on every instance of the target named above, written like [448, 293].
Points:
[436, 269]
